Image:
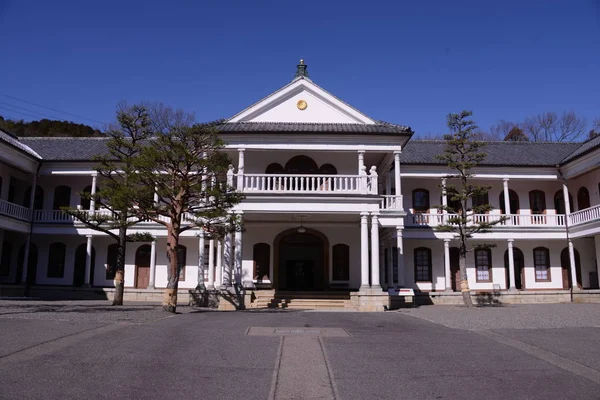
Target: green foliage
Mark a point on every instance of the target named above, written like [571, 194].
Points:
[48, 128]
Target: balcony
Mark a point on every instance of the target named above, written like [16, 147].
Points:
[583, 216]
[391, 203]
[15, 211]
[308, 184]
[60, 217]
[523, 220]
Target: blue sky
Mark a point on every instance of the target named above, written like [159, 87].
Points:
[406, 62]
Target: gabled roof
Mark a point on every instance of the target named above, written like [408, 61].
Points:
[308, 127]
[524, 154]
[584, 148]
[16, 143]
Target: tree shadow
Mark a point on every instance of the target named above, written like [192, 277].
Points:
[487, 299]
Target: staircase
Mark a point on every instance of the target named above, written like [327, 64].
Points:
[333, 300]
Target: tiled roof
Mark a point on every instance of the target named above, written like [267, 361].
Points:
[67, 148]
[15, 142]
[584, 148]
[306, 127]
[498, 153]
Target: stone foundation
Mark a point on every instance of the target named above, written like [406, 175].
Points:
[508, 297]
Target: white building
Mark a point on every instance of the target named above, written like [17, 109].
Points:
[334, 200]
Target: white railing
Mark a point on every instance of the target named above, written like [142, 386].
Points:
[14, 210]
[505, 220]
[278, 183]
[56, 216]
[585, 215]
[391, 203]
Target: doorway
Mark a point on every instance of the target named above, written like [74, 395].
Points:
[301, 261]
[79, 265]
[142, 267]
[455, 268]
[566, 268]
[519, 261]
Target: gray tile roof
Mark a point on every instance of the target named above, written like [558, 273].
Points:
[306, 127]
[498, 153]
[15, 142]
[67, 148]
[584, 148]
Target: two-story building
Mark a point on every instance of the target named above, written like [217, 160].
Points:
[336, 203]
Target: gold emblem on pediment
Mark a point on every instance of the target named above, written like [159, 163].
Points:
[301, 104]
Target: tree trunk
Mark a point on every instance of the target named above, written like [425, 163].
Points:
[170, 295]
[464, 283]
[120, 267]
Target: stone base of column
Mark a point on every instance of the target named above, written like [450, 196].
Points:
[370, 300]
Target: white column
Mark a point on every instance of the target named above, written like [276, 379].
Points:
[400, 250]
[447, 271]
[28, 240]
[445, 201]
[375, 282]
[88, 261]
[237, 269]
[227, 259]
[361, 161]
[573, 265]
[397, 173]
[219, 264]
[240, 179]
[511, 266]
[211, 264]
[507, 200]
[364, 250]
[390, 262]
[152, 280]
[93, 193]
[566, 200]
[201, 245]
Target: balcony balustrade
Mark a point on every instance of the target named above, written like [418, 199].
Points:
[391, 203]
[532, 220]
[312, 184]
[15, 211]
[586, 215]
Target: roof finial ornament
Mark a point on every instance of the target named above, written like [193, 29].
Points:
[301, 71]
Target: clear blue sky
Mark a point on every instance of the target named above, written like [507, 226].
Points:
[406, 62]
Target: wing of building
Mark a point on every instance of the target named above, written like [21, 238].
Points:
[338, 206]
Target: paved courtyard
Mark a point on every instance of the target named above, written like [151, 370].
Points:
[68, 350]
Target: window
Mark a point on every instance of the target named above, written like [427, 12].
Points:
[0, 186]
[481, 200]
[56, 260]
[85, 200]
[422, 264]
[454, 203]
[513, 199]
[421, 200]
[341, 262]
[111, 261]
[62, 197]
[301, 165]
[38, 198]
[483, 264]
[274, 168]
[6, 258]
[583, 198]
[261, 256]
[328, 169]
[537, 202]
[181, 259]
[559, 202]
[541, 261]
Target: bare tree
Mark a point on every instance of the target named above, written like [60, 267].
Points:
[550, 127]
[502, 128]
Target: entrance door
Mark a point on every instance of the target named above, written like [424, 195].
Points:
[300, 274]
[566, 268]
[301, 263]
[79, 265]
[519, 261]
[455, 268]
[142, 267]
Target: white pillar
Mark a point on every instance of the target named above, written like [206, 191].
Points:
[397, 182]
[227, 259]
[28, 240]
[507, 209]
[364, 250]
[566, 200]
[211, 264]
[201, 245]
[400, 250]
[445, 201]
[240, 179]
[573, 265]
[361, 161]
[447, 271]
[152, 280]
[237, 269]
[390, 262]
[88, 261]
[511, 266]
[219, 264]
[375, 282]
[93, 193]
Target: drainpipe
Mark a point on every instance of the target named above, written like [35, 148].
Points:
[28, 243]
[567, 213]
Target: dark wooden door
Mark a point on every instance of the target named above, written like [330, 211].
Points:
[455, 268]
[142, 267]
[300, 274]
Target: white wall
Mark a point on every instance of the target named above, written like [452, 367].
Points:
[591, 181]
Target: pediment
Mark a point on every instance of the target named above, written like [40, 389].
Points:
[302, 101]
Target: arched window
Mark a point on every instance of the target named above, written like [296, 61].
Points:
[559, 202]
[181, 261]
[481, 200]
[328, 169]
[6, 258]
[56, 260]
[85, 199]
[483, 265]
[38, 198]
[301, 165]
[62, 197]
[111, 261]
[341, 262]
[537, 201]
[261, 256]
[274, 168]
[421, 200]
[541, 262]
[454, 204]
[513, 199]
[422, 260]
[583, 198]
